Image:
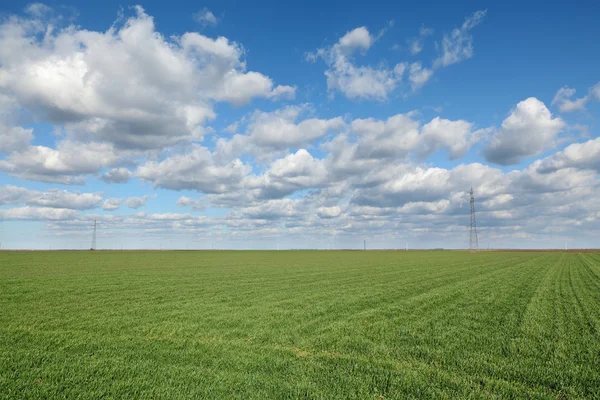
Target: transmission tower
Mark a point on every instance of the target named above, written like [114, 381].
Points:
[94, 237]
[473, 241]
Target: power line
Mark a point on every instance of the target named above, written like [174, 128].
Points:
[473, 241]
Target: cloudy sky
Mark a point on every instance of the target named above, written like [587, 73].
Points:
[305, 125]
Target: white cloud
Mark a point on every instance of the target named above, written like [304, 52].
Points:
[137, 202]
[67, 164]
[577, 155]
[37, 214]
[356, 39]
[287, 175]
[376, 83]
[356, 82]
[12, 138]
[458, 46]
[52, 198]
[329, 212]
[271, 209]
[457, 137]
[563, 99]
[595, 90]
[117, 175]
[418, 75]
[112, 204]
[565, 104]
[206, 18]
[527, 131]
[197, 204]
[415, 45]
[37, 9]
[195, 170]
[401, 135]
[128, 85]
[279, 130]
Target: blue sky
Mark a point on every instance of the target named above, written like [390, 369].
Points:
[311, 125]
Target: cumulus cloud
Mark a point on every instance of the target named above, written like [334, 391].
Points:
[112, 204]
[356, 82]
[458, 45]
[12, 138]
[196, 170]
[37, 214]
[418, 75]
[196, 204]
[376, 83]
[117, 175]
[329, 212]
[415, 45]
[206, 18]
[565, 102]
[527, 131]
[577, 155]
[52, 198]
[402, 134]
[137, 202]
[456, 137]
[269, 132]
[67, 164]
[128, 85]
[287, 175]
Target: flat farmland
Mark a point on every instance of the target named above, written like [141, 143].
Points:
[299, 324]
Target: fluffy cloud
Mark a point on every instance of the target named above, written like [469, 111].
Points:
[37, 214]
[577, 155]
[418, 75]
[527, 131]
[376, 83]
[565, 104]
[112, 204]
[402, 134]
[137, 202]
[52, 198]
[185, 201]
[563, 99]
[206, 18]
[269, 210]
[128, 85]
[270, 132]
[117, 175]
[287, 175]
[415, 45]
[458, 45]
[12, 138]
[195, 170]
[67, 164]
[456, 137]
[356, 82]
[329, 212]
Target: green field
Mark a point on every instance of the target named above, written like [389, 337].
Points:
[299, 324]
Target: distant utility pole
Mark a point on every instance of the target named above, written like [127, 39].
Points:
[94, 237]
[365, 245]
[473, 241]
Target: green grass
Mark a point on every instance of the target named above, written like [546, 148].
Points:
[303, 324]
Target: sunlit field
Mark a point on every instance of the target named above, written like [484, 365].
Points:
[299, 324]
